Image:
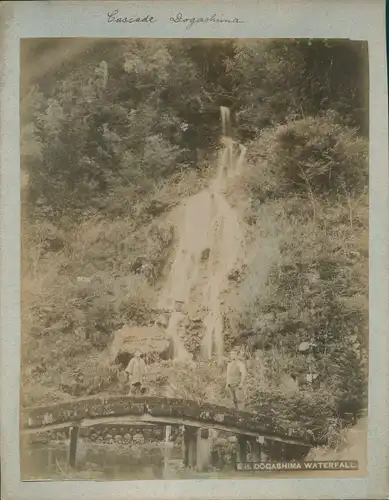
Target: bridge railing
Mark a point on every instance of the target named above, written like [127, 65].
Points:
[74, 411]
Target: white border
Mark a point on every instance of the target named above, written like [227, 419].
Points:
[354, 19]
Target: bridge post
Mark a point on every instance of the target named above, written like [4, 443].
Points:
[265, 451]
[73, 436]
[256, 450]
[50, 458]
[189, 445]
[203, 451]
[167, 449]
[241, 448]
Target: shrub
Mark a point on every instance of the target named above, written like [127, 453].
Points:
[203, 381]
[307, 411]
[307, 281]
[314, 156]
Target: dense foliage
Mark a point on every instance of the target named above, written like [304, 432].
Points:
[119, 131]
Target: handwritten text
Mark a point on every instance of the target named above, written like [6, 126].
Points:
[114, 17]
[191, 21]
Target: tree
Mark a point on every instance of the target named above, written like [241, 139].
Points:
[276, 80]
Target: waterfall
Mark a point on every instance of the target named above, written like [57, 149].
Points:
[207, 225]
[225, 118]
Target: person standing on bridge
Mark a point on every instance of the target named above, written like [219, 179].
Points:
[136, 371]
[235, 376]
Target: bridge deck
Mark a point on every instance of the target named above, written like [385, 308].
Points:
[89, 411]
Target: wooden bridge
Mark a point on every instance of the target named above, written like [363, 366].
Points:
[255, 433]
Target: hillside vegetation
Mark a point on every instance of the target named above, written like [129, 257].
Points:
[114, 139]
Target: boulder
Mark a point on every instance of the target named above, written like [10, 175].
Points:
[289, 384]
[149, 339]
[305, 347]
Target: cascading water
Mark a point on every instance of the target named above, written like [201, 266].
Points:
[206, 224]
[225, 118]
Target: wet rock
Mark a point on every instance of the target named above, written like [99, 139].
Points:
[167, 353]
[197, 321]
[162, 321]
[205, 254]
[234, 275]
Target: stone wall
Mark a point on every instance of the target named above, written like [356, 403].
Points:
[121, 434]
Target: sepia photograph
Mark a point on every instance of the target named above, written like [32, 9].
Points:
[194, 258]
